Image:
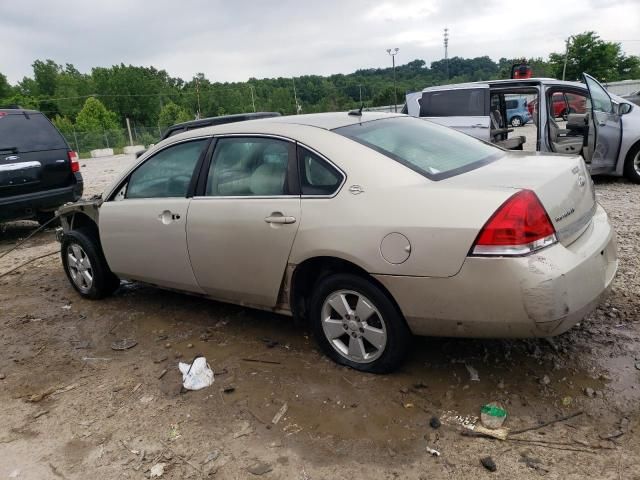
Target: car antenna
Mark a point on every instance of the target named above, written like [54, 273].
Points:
[358, 112]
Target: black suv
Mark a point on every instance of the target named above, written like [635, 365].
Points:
[38, 170]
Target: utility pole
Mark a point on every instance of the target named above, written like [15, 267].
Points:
[566, 55]
[446, 50]
[295, 95]
[253, 102]
[393, 53]
[360, 87]
[198, 96]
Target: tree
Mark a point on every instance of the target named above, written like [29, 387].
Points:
[170, 114]
[5, 88]
[97, 126]
[588, 53]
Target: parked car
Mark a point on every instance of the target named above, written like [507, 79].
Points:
[38, 170]
[315, 216]
[606, 134]
[563, 105]
[633, 97]
[517, 111]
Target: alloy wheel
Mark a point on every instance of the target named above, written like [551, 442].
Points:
[79, 267]
[353, 326]
[516, 122]
[636, 162]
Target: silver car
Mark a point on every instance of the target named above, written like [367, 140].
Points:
[601, 127]
[369, 226]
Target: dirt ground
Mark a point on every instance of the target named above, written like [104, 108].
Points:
[71, 407]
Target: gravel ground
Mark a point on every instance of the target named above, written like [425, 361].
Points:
[73, 407]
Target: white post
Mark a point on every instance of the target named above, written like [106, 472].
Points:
[129, 128]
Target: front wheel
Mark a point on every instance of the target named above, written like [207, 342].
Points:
[357, 325]
[632, 165]
[85, 265]
[516, 121]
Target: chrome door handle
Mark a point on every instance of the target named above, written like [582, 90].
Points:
[279, 219]
[167, 216]
[479, 125]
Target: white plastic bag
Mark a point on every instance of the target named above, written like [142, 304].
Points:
[197, 375]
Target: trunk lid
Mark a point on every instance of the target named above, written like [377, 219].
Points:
[561, 182]
[33, 154]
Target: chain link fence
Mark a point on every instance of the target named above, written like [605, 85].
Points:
[84, 142]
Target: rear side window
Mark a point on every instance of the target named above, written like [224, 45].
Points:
[249, 167]
[432, 150]
[512, 104]
[168, 173]
[30, 132]
[317, 177]
[453, 103]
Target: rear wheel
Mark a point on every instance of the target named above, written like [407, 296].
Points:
[356, 324]
[516, 121]
[85, 265]
[632, 165]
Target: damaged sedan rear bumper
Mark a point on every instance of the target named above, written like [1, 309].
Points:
[543, 294]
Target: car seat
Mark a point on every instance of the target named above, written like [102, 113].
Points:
[563, 144]
[499, 134]
[268, 179]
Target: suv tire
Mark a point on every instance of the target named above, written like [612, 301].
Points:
[356, 324]
[85, 265]
[516, 121]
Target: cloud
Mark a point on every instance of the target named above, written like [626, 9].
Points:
[236, 40]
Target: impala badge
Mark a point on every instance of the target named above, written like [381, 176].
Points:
[581, 181]
[356, 189]
[565, 214]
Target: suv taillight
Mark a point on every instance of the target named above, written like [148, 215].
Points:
[73, 159]
[519, 227]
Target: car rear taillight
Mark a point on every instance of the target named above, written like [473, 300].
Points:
[519, 227]
[73, 159]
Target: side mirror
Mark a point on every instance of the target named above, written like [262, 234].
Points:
[624, 108]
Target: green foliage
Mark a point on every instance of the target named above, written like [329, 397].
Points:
[150, 97]
[64, 125]
[588, 53]
[98, 126]
[170, 114]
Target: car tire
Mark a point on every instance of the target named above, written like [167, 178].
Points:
[45, 218]
[516, 121]
[632, 165]
[371, 336]
[85, 265]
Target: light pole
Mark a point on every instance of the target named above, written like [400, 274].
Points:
[253, 102]
[566, 55]
[446, 50]
[393, 53]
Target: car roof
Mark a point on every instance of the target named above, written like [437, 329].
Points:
[325, 121]
[219, 120]
[506, 82]
[17, 111]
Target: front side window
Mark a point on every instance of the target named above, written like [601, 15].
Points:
[452, 103]
[248, 167]
[168, 173]
[432, 150]
[317, 177]
[600, 100]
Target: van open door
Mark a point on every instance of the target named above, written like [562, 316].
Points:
[607, 124]
[462, 108]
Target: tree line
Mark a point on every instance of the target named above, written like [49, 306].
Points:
[102, 99]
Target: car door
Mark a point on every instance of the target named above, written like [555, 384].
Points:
[242, 223]
[607, 123]
[463, 109]
[143, 227]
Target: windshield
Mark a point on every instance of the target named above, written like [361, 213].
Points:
[432, 150]
[28, 133]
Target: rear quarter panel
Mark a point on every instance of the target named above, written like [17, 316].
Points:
[440, 221]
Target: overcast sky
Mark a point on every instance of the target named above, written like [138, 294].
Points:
[238, 39]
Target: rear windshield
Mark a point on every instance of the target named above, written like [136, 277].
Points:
[432, 150]
[28, 133]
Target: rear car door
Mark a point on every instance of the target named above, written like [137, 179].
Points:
[464, 109]
[34, 156]
[243, 221]
[143, 227]
[607, 123]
